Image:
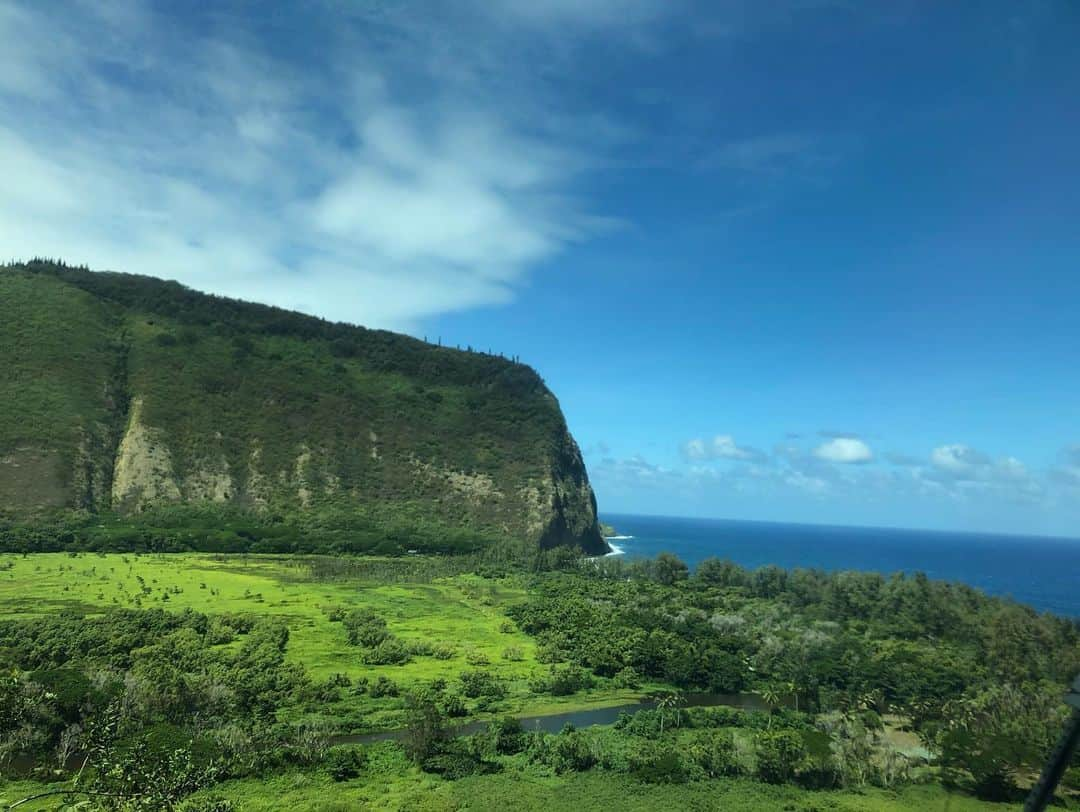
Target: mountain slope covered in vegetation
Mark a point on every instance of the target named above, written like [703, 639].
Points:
[138, 411]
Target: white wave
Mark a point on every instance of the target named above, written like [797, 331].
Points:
[617, 538]
[615, 548]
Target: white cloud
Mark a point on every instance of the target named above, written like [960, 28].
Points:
[695, 449]
[723, 445]
[963, 472]
[720, 447]
[846, 450]
[363, 186]
[1011, 469]
[954, 480]
[635, 475]
[958, 459]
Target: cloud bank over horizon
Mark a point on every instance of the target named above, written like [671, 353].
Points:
[841, 470]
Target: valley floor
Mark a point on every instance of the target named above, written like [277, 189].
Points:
[422, 602]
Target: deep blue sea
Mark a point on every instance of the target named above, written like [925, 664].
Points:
[1043, 572]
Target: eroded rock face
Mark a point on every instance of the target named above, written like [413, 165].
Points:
[556, 509]
[553, 510]
[143, 474]
[471, 487]
[210, 484]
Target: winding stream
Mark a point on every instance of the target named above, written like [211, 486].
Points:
[550, 723]
[554, 722]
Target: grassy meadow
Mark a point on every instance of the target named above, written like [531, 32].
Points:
[395, 784]
[463, 612]
[416, 791]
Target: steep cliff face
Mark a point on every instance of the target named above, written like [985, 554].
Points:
[131, 395]
[564, 510]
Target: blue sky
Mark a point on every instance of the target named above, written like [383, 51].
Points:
[810, 260]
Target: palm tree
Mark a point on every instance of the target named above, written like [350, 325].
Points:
[669, 702]
[770, 694]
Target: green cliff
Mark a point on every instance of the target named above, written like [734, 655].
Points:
[130, 401]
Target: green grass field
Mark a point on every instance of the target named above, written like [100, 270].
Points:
[391, 783]
[464, 612]
[418, 792]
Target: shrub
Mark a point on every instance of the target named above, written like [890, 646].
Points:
[563, 680]
[390, 651]
[488, 704]
[343, 763]
[442, 651]
[383, 686]
[505, 737]
[456, 762]
[339, 680]
[714, 752]
[474, 657]
[656, 764]
[420, 648]
[365, 628]
[480, 682]
[219, 633]
[567, 752]
[325, 692]
[453, 706]
[779, 753]
[719, 716]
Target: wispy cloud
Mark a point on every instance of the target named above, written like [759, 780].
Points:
[960, 461]
[720, 447]
[341, 180]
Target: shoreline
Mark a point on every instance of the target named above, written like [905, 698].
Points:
[615, 548]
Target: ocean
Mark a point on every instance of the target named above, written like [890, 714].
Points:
[1039, 571]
